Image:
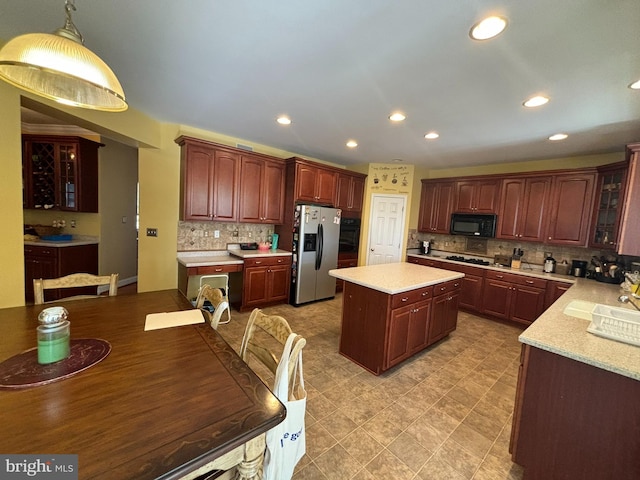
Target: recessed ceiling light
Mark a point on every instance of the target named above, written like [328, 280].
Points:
[283, 120]
[488, 28]
[558, 136]
[536, 101]
[635, 85]
[397, 117]
[352, 144]
[432, 135]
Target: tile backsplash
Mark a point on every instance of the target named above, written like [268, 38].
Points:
[201, 235]
[533, 253]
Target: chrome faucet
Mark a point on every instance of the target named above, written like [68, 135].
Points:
[626, 299]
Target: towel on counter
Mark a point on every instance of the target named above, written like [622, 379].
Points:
[156, 321]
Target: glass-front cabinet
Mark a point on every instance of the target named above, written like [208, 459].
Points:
[60, 173]
[608, 207]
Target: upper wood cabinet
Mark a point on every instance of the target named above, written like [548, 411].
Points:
[226, 184]
[477, 196]
[628, 243]
[436, 206]
[571, 206]
[262, 184]
[60, 173]
[350, 192]
[314, 183]
[524, 206]
[208, 181]
[607, 210]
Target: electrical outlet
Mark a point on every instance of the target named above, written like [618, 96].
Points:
[249, 234]
[152, 232]
[235, 233]
[73, 224]
[216, 234]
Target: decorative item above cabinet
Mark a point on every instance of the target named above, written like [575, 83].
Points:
[60, 173]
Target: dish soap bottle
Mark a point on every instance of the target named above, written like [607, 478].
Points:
[549, 263]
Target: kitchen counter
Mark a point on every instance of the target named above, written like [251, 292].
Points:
[75, 241]
[393, 278]
[535, 271]
[224, 257]
[565, 335]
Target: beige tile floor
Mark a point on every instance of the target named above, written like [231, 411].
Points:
[444, 414]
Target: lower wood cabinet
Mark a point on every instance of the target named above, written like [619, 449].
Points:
[54, 262]
[266, 281]
[514, 297]
[472, 285]
[444, 317]
[554, 291]
[380, 330]
[572, 420]
[345, 260]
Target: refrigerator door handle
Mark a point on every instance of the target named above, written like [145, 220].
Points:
[319, 248]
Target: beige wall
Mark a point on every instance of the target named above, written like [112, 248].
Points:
[158, 173]
[118, 175]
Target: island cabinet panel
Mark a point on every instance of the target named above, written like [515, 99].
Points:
[571, 206]
[436, 206]
[380, 330]
[477, 196]
[524, 205]
[574, 421]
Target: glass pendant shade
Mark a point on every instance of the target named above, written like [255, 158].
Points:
[57, 66]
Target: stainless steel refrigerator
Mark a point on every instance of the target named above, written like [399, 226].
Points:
[316, 234]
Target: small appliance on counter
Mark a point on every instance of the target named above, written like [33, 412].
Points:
[425, 247]
[563, 268]
[578, 268]
[608, 270]
[549, 263]
[502, 260]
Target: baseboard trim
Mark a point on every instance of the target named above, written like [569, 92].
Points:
[121, 283]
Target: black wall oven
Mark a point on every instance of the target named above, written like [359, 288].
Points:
[349, 235]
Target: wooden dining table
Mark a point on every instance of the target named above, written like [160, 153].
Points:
[161, 405]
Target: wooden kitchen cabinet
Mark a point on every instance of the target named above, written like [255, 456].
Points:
[571, 207]
[345, 260]
[408, 331]
[436, 206]
[54, 262]
[472, 285]
[477, 196]
[444, 316]
[266, 281]
[313, 183]
[554, 291]
[607, 211]
[350, 193]
[524, 207]
[518, 298]
[628, 243]
[209, 181]
[572, 420]
[60, 173]
[262, 184]
[426, 261]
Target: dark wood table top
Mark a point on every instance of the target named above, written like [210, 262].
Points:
[163, 403]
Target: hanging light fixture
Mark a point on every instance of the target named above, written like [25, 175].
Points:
[59, 67]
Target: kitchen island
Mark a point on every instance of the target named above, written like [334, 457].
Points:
[576, 413]
[390, 312]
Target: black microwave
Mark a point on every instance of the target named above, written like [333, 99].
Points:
[472, 224]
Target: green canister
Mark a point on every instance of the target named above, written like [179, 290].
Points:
[53, 335]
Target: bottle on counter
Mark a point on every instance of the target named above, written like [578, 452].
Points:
[549, 263]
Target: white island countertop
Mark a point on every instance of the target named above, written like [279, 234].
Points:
[567, 335]
[394, 278]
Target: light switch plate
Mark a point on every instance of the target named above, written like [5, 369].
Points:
[152, 232]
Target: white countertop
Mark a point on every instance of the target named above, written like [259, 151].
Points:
[75, 241]
[224, 257]
[394, 278]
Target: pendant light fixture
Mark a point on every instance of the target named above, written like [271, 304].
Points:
[59, 67]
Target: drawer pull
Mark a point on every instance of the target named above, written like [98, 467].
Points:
[442, 289]
[499, 276]
[456, 284]
[529, 281]
[404, 299]
[424, 294]
[258, 262]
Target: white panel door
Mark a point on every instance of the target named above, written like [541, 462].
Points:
[386, 228]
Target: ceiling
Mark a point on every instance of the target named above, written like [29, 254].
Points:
[340, 68]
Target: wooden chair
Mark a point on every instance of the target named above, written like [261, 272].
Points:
[217, 300]
[220, 281]
[262, 347]
[73, 281]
